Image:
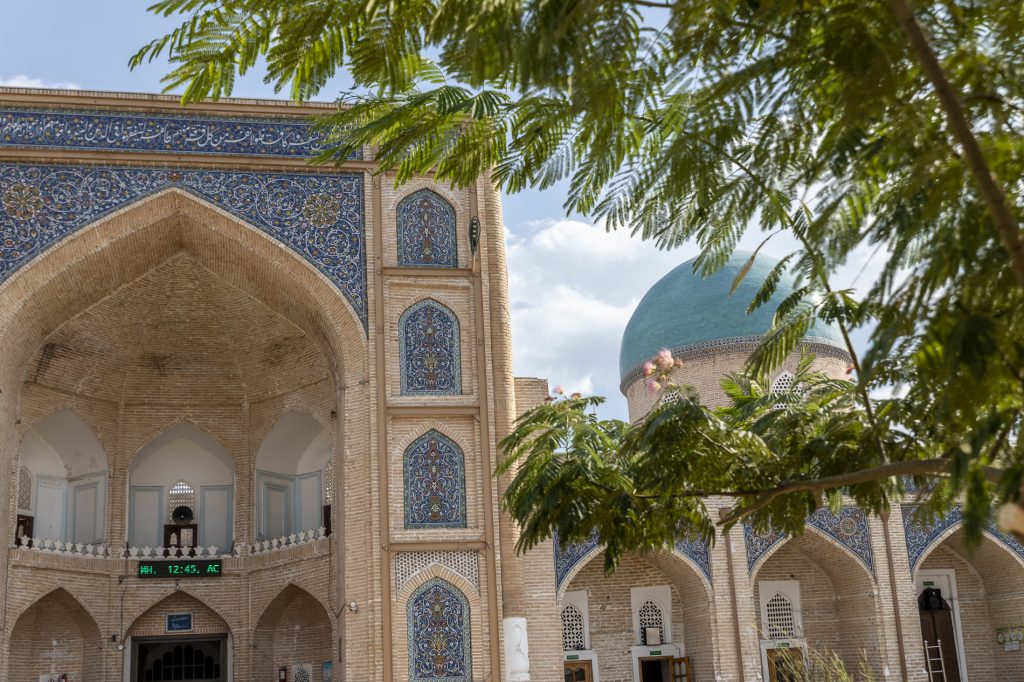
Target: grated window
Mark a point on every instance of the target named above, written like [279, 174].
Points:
[783, 383]
[408, 564]
[182, 494]
[781, 622]
[25, 489]
[328, 482]
[572, 629]
[650, 617]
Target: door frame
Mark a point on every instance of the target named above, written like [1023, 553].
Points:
[583, 655]
[954, 601]
[581, 661]
[131, 660]
[767, 644]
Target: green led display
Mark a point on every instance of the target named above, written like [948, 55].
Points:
[196, 568]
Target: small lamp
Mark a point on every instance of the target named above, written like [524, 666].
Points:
[474, 233]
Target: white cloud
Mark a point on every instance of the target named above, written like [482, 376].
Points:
[23, 81]
[573, 287]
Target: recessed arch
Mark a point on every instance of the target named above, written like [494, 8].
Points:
[56, 630]
[294, 621]
[290, 484]
[434, 482]
[827, 587]
[619, 602]
[128, 243]
[62, 475]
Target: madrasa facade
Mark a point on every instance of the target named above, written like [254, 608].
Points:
[249, 415]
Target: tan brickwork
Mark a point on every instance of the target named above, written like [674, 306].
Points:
[172, 311]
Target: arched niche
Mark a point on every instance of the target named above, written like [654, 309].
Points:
[981, 590]
[62, 481]
[644, 590]
[170, 230]
[56, 634]
[807, 592]
[183, 466]
[294, 629]
[292, 468]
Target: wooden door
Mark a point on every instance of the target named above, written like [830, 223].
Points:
[681, 670]
[786, 665]
[578, 671]
[939, 633]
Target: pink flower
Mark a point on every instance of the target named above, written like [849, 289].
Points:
[664, 359]
[653, 386]
[576, 396]
[648, 368]
[558, 390]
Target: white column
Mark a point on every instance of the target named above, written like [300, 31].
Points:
[517, 650]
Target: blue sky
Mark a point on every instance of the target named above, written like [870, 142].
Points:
[573, 285]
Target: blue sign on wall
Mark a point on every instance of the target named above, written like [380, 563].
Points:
[179, 622]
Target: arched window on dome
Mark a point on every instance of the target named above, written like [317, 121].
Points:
[429, 350]
[439, 634]
[426, 231]
[435, 483]
[782, 383]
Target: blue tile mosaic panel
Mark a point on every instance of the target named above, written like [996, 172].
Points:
[568, 557]
[426, 231]
[160, 133]
[319, 216]
[849, 528]
[759, 544]
[429, 353]
[920, 536]
[435, 483]
[439, 634]
[695, 549]
[698, 551]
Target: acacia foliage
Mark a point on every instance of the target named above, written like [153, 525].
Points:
[700, 120]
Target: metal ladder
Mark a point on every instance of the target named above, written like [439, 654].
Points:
[935, 664]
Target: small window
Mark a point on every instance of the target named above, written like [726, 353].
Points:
[182, 494]
[780, 622]
[25, 489]
[780, 609]
[650, 620]
[573, 638]
[328, 482]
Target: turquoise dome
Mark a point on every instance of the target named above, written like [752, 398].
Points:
[682, 311]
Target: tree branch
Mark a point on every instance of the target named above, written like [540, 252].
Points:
[1005, 224]
[921, 467]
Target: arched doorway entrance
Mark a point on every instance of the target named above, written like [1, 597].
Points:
[179, 638]
[965, 595]
[55, 635]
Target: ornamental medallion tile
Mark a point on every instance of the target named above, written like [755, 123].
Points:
[161, 133]
[319, 216]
